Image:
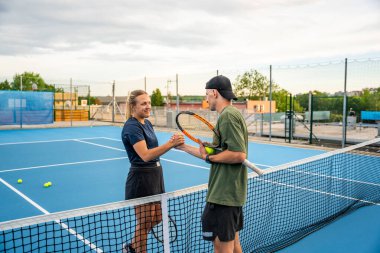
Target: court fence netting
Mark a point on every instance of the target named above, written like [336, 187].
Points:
[284, 205]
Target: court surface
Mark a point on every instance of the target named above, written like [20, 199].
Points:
[88, 166]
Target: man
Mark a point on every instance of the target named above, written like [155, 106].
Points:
[222, 217]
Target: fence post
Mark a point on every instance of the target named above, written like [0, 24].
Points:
[270, 102]
[113, 102]
[177, 100]
[311, 117]
[21, 101]
[344, 120]
[71, 102]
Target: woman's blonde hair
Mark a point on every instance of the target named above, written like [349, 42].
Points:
[131, 101]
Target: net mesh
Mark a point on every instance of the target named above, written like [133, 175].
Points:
[283, 206]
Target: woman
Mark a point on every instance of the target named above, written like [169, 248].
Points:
[145, 177]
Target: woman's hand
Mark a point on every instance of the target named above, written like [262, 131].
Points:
[177, 139]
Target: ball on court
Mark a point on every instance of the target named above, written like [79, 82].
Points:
[46, 185]
[209, 150]
[49, 183]
[19, 181]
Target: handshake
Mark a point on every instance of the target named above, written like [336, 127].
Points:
[177, 139]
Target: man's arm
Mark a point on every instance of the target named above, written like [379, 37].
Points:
[226, 156]
[190, 150]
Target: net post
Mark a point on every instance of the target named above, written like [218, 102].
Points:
[165, 222]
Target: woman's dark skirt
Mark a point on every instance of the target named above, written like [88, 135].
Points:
[143, 180]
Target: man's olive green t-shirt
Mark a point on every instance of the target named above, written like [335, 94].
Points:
[227, 183]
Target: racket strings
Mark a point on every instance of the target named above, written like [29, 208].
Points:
[194, 126]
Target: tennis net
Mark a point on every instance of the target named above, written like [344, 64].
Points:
[284, 205]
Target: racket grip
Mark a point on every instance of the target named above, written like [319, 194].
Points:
[253, 167]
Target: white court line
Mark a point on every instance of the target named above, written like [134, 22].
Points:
[103, 160]
[168, 160]
[33, 142]
[188, 164]
[63, 225]
[103, 146]
[263, 165]
[112, 139]
[64, 164]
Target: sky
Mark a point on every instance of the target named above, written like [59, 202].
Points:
[101, 41]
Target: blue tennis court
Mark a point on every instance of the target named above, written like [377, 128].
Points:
[88, 167]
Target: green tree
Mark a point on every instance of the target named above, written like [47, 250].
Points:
[371, 99]
[30, 80]
[156, 98]
[280, 97]
[5, 85]
[253, 85]
[90, 101]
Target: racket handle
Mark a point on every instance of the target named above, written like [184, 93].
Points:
[253, 167]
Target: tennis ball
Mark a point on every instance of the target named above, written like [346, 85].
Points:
[209, 150]
[46, 185]
[19, 181]
[49, 183]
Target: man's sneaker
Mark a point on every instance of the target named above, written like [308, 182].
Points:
[127, 248]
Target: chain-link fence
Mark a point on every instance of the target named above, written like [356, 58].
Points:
[316, 103]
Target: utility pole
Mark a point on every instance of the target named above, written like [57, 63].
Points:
[167, 92]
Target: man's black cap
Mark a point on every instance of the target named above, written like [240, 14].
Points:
[223, 85]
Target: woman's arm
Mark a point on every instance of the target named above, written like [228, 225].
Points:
[150, 154]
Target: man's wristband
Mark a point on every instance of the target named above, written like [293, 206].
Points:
[207, 159]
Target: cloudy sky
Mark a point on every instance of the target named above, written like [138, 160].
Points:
[104, 40]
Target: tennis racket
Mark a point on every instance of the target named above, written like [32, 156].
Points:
[192, 125]
[158, 231]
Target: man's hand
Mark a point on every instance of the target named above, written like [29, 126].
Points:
[202, 151]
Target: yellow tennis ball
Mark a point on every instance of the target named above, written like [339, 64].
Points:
[209, 150]
[46, 185]
[19, 181]
[49, 183]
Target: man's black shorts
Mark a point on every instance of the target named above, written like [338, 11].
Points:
[221, 221]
